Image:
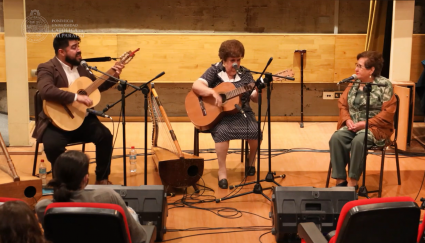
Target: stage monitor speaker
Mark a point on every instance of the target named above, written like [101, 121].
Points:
[294, 205]
[149, 202]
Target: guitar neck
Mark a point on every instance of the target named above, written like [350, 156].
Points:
[99, 81]
[239, 91]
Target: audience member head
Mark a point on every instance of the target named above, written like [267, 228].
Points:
[71, 172]
[18, 224]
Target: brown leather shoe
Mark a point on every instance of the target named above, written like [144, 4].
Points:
[103, 182]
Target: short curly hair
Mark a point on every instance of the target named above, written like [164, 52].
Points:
[373, 59]
[231, 48]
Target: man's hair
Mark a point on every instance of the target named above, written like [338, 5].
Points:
[61, 40]
[18, 223]
[231, 48]
[69, 171]
[373, 59]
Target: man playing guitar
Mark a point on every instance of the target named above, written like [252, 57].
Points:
[60, 72]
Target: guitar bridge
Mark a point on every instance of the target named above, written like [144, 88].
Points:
[201, 103]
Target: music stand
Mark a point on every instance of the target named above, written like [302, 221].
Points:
[260, 84]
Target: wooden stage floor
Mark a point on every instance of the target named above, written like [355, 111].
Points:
[300, 153]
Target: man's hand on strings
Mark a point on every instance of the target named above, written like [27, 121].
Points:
[84, 99]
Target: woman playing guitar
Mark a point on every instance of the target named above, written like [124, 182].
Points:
[231, 126]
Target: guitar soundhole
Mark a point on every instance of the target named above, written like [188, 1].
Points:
[223, 98]
[192, 170]
[82, 92]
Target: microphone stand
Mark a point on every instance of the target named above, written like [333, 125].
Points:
[270, 175]
[363, 192]
[122, 87]
[302, 52]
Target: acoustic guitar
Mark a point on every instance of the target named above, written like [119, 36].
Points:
[203, 112]
[70, 117]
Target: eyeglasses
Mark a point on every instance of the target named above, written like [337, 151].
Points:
[359, 66]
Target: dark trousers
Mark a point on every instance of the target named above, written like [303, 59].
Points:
[91, 131]
[347, 147]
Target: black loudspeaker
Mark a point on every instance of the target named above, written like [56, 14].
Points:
[149, 202]
[294, 205]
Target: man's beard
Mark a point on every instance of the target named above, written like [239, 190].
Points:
[72, 61]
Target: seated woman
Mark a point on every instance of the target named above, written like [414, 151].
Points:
[71, 177]
[234, 126]
[349, 138]
[18, 224]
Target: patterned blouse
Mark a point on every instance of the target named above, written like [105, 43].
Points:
[378, 96]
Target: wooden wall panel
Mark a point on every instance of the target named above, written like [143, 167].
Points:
[92, 45]
[346, 49]
[418, 54]
[184, 57]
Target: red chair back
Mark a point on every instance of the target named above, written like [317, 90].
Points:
[6, 199]
[86, 222]
[392, 219]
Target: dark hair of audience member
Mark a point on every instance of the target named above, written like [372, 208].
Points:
[69, 171]
[18, 224]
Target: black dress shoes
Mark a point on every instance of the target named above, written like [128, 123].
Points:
[223, 184]
[344, 183]
[250, 170]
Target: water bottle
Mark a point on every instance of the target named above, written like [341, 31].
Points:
[133, 166]
[42, 173]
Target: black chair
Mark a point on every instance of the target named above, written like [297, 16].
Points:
[382, 149]
[89, 222]
[38, 106]
[244, 145]
[389, 220]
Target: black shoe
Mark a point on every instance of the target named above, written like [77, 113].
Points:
[223, 184]
[250, 170]
[344, 183]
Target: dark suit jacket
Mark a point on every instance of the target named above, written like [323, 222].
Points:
[50, 77]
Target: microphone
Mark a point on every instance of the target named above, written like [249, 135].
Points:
[347, 79]
[238, 69]
[97, 113]
[239, 108]
[98, 59]
[86, 66]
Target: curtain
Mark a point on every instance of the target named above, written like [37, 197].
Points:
[376, 26]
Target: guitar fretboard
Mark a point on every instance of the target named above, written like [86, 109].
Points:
[240, 90]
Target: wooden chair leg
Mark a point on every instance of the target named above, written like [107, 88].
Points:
[329, 175]
[381, 176]
[35, 158]
[397, 163]
[84, 147]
